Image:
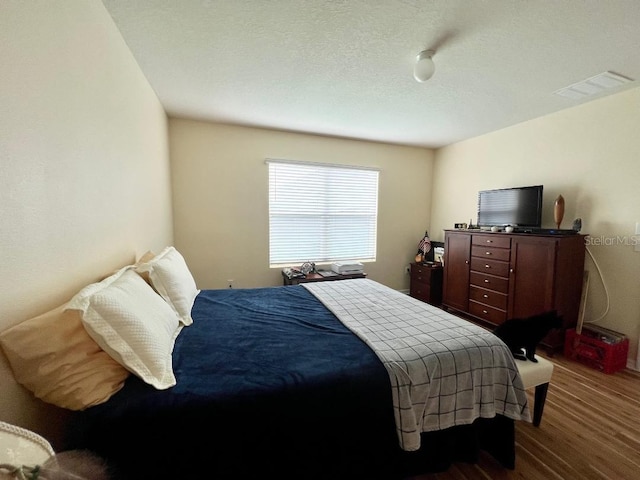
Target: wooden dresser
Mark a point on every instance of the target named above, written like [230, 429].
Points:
[495, 276]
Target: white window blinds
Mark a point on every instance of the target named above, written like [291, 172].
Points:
[321, 212]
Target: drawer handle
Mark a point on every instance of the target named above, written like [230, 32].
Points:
[487, 253]
[486, 281]
[487, 266]
[485, 295]
[489, 241]
[485, 312]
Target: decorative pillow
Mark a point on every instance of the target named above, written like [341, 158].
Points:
[131, 323]
[147, 257]
[170, 276]
[53, 356]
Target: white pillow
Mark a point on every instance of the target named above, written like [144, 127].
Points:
[170, 276]
[132, 324]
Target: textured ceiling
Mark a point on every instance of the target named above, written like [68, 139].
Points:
[344, 67]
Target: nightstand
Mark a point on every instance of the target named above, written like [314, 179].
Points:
[426, 283]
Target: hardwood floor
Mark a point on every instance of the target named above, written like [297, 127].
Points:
[590, 430]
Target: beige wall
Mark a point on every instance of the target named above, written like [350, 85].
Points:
[85, 181]
[589, 154]
[84, 171]
[220, 191]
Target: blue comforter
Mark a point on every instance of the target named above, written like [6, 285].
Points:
[269, 382]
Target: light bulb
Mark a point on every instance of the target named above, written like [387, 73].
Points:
[424, 68]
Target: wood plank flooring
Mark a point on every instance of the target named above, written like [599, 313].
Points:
[590, 430]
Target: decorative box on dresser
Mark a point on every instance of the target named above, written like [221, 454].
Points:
[495, 276]
[426, 283]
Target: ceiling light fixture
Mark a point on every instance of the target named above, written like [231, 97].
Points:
[424, 67]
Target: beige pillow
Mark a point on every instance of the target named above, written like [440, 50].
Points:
[169, 275]
[53, 356]
[147, 257]
[132, 323]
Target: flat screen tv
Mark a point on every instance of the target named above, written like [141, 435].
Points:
[518, 207]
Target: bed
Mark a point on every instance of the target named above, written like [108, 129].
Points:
[272, 381]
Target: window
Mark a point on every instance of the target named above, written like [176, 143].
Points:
[321, 212]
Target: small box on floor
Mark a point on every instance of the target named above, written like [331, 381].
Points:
[597, 348]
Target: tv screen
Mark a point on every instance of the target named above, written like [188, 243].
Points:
[518, 207]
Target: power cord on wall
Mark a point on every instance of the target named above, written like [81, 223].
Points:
[604, 284]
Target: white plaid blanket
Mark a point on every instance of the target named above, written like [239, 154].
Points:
[444, 370]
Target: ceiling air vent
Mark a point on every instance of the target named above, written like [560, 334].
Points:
[593, 85]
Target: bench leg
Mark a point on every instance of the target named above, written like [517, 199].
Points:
[538, 404]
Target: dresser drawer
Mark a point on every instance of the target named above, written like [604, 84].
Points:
[421, 292]
[492, 253]
[417, 269]
[493, 267]
[498, 284]
[490, 314]
[491, 241]
[421, 275]
[488, 297]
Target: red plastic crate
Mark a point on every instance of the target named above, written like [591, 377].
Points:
[608, 357]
